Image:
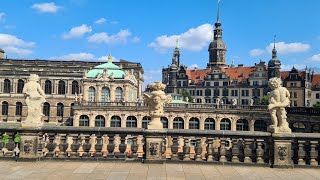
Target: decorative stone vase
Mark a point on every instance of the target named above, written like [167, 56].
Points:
[98, 147]
[86, 147]
[63, 146]
[134, 146]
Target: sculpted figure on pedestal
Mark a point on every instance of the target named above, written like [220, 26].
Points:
[35, 98]
[278, 100]
[234, 102]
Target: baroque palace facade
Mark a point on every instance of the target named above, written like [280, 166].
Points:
[220, 83]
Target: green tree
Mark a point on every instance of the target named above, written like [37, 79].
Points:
[316, 105]
[185, 94]
[264, 100]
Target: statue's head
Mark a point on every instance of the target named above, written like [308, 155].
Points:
[275, 83]
[157, 86]
[33, 77]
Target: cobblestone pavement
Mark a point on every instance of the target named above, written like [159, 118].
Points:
[60, 170]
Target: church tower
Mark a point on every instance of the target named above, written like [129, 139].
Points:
[274, 64]
[217, 48]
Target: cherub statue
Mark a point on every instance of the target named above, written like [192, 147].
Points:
[234, 102]
[278, 100]
[251, 102]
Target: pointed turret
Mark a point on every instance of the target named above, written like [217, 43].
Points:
[274, 65]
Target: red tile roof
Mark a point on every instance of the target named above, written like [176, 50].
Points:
[197, 74]
[239, 72]
[315, 80]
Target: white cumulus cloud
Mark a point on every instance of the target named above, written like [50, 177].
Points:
[287, 48]
[315, 58]
[2, 15]
[135, 39]
[100, 21]
[256, 52]
[287, 67]
[15, 45]
[77, 32]
[119, 38]
[17, 50]
[48, 7]
[194, 39]
[82, 56]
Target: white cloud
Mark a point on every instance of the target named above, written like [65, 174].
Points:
[194, 39]
[136, 39]
[10, 40]
[105, 58]
[114, 22]
[158, 71]
[287, 48]
[315, 58]
[100, 21]
[82, 56]
[48, 7]
[118, 38]
[256, 52]
[193, 66]
[289, 67]
[77, 32]
[2, 15]
[17, 50]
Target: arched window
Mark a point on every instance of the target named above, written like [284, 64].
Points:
[84, 120]
[92, 94]
[71, 109]
[178, 123]
[46, 109]
[6, 86]
[99, 121]
[119, 93]
[105, 94]
[47, 87]
[20, 86]
[242, 125]
[61, 87]
[260, 125]
[115, 121]
[164, 122]
[194, 123]
[5, 108]
[315, 128]
[145, 121]
[60, 108]
[131, 122]
[298, 127]
[18, 108]
[225, 124]
[209, 124]
[75, 87]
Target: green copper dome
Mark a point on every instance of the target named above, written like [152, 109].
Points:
[111, 68]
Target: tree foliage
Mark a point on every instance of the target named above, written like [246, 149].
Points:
[185, 94]
[264, 100]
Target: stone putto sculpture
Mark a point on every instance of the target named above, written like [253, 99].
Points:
[35, 97]
[278, 100]
[251, 102]
[234, 102]
[156, 100]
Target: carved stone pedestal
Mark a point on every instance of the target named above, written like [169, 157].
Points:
[282, 150]
[29, 146]
[153, 148]
[155, 123]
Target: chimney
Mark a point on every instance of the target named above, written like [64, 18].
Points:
[1, 54]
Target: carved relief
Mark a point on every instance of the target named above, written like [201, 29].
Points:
[154, 148]
[282, 152]
[28, 146]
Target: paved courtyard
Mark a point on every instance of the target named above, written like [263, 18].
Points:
[60, 170]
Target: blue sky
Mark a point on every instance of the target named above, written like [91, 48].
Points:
[145, 31]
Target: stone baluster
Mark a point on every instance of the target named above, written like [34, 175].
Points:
[57, 140]
[168, 152]
[198, 150]
[259, 151]
[141, 142]
[122, 146]
[174, 148]
[186, 149]
[81, 142]
[301, 153]
[216, 145]
[223, 150]
[75, 145]
[204, 148]
[63, 145]
[40, 144]
[86, 146]
[180, 147]
[92, 142]
[313, 153]
[98, 146]
[111, 146]
[105, 140]
[134, 147]
[209, 149]
[116, 142]
[235, 150]
[247, 150]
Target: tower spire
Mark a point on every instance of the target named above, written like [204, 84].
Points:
[177, 43]
[218, 15]
[274, 50]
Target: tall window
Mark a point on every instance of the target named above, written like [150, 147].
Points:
[115, 121]
[5, 108]
[209, 124]
[164, 122]
[60, 109]
[48, 87]
[20, 86]
[92, 94]
[75, 87]
[119, 93]
[145, 121]
[84, 120]
[178, 123]
[207, 92]
[99, 121]
[46, 109]
[242, 125]
[6, 86]
[131, 122]
[61, 87]
[225, 124]
[18, 108]
[194, 123]
[71, 109]
[105, 94]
